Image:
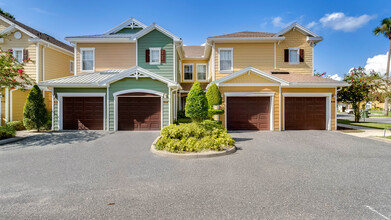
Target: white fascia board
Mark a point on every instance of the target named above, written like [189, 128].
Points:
[50, 45]
[8, 29]
[71, 85]
[157, 27]
[124, 24]
[299, 27]
[246, 39]
[17, 26]
[320, 85]
[99, 40]
[314, 39]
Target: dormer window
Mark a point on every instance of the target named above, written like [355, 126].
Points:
[294, 55]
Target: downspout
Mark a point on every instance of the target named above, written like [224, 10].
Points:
[175, 103]
[275, 56]
[52, 90]
[7, 105]
[37, 63]
[43, 65]
[108, 107]
[337, 89]
[213, 63]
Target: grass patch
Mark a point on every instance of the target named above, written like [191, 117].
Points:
[364, 124]
[377, 114]
[387, 137]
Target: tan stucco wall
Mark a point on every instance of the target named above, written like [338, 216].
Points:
[110, 55]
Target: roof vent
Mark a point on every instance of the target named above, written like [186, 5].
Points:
[279, 72]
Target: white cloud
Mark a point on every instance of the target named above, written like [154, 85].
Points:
[277, 22]
[377, 63]
[336, 77]
[203, 44]
[42, 11]
[339, 21]
[311, 24]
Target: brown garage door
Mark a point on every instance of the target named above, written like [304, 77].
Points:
[83, 113]
[139, 113]
[305, 113]
[248, 113]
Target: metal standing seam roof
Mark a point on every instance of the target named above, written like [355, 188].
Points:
[85, 79]
[245, 34]
[105, 36]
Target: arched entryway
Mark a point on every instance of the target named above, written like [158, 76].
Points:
[138, 110]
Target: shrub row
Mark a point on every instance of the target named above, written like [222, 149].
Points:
[7, 132]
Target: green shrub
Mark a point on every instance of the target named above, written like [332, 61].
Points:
[7, 132]
[213, 95]
[196, 103]
[184, 120]
[17, 125]
[34, 112]
[48, 125]
[181, 114]
[194, 137]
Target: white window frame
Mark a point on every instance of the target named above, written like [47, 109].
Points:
[206, 72]
[13, 53]
[298, 55]
[192, 72]
[82, 49]
[150, 55]
[72, 66]
[232, 60]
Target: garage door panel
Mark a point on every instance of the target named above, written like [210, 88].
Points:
[83, 113]
[139, 113]
[248, 113]
[305, 113]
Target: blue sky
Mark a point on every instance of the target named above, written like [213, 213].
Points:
[346, 26]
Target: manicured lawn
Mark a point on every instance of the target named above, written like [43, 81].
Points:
[377, 113]
[365, 124]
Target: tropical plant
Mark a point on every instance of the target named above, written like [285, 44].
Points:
[361, 86]
[12, 72]
[385, 30]
[196, 103]
[35, 114]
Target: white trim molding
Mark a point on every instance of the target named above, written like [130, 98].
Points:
[159, 54]
[206, 72]
[249, 84]
[60, 105]
[250, 94]
[232, 60]
[192, 72]
[328, 105]
[116, 94]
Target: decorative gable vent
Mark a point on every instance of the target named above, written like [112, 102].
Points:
[131, 24]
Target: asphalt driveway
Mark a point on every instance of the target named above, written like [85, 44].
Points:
[273, 175]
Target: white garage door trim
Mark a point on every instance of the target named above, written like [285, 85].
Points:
[250, 94]
[328, 105]
[60, 105]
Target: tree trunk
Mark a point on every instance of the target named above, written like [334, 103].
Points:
[356, 111]
[387, 78]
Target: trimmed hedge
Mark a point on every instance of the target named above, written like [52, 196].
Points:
[7, 132]
[17, 125]
[194, 137]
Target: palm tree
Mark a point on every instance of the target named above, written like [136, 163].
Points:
[385, 30]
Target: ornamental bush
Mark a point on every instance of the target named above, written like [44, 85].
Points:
[17, 125]
[213, 95]
[196, 103]
[7, 132]
[35, 114]
[194, 137]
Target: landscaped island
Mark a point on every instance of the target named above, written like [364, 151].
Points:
[202, 134]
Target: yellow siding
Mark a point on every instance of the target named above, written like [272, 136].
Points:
[10, 42]
[194, 62]
[19, 97]
[3, 25]
[48, 100]
[57, 64]
[313, 90]
[258, 55]
[110, 55]
[249, 78]
[274, 90]
[2, 117]
[295, 39]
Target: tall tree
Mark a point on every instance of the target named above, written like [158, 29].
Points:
[385, 30]
[362, 86]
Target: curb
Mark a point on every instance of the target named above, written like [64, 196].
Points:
[11, 140]
[207, 154]
[381, 139]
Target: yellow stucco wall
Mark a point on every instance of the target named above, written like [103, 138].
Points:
[57, 64]
[110, 55]
[313, 90]
[295, 38]
[274, 90]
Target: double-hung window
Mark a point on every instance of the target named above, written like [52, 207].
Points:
[18, 54]
[226, 59]
[87, 59]
[188, 72]
[294, 55]
[201, 72]
[155, 56]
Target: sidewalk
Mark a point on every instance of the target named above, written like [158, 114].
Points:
[372, 133]
[20, 135]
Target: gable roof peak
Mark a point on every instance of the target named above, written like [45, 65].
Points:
[299, 27]
[129, 23]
